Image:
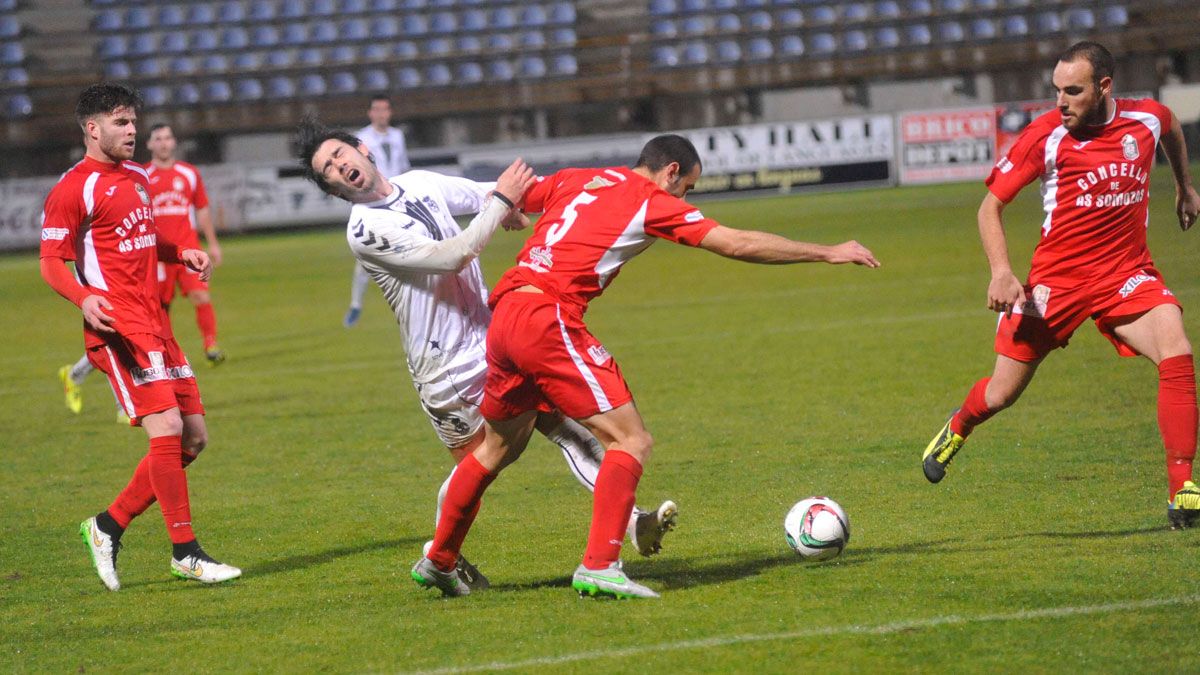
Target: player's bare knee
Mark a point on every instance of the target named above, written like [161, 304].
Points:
[195, 441]
[638, 444]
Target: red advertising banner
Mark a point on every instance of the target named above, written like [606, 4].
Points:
[940, 146]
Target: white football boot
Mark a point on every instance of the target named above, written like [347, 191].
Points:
[203, 569]
[647, 529]
[469, 573]
[103, 550]
[610, 582]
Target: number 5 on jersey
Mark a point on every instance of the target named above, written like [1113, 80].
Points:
[558, 231]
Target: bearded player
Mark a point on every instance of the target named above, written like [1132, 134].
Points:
[99, 216]
[1094, 155]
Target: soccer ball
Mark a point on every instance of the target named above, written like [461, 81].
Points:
[817, 528]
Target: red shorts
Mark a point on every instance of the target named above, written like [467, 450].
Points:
[148, 375]
[540, 353]
[172, 274]
[1050, 315]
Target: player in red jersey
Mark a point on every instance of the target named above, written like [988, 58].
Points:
[540, 354]
[99, 216]
[1094, 155]
[180, 207]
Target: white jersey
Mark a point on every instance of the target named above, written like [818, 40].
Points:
[387, 148]
[427, 266]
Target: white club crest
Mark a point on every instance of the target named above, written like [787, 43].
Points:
[142, 193]
[177, 184]
[1129, 146]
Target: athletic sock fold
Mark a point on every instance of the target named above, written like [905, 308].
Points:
[974, 410]
[616, 491]
[109, 525]
[170, 486]
[1177, 418]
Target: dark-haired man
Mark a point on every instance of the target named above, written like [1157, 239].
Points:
[1094, 154]
[402, 230]
[99, 215]
[540, 354]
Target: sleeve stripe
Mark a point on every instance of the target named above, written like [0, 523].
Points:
[188, 173]
[89, 189]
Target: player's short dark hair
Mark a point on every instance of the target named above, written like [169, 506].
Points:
[662, 150]
[309, 137]
[156, 127]
[1095, 54]
[104, 97]
[381, 97]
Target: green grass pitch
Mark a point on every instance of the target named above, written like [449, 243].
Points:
[1044, 549]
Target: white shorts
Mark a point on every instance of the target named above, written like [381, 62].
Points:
[452, 398]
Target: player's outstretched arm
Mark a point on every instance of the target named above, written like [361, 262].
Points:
[771, 249]
[1187, 201]
[1005, 290]
[54, 271]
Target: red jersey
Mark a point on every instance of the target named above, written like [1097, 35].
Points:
[1095, 190]
[174, 192]
[99, 215]
[593, 222]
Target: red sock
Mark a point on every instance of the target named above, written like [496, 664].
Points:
[1177, 418]
[974, 410]
[206, 319]
[170, 486]
[459, 509]
[136, 497]
[616, 490]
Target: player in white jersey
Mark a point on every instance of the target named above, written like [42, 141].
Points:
[404, 233]
[386, 144]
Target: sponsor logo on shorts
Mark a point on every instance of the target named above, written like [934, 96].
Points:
[54, 233]
[1035, 304]
[694, 217]
[180, 372]
[1133, 282]
[1129, 146]
[599, 354]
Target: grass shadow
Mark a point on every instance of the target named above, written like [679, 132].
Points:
[306, 560]
[1094, 534]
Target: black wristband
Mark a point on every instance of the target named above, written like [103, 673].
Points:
[506, 200]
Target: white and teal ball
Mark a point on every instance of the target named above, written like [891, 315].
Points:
[817, 528]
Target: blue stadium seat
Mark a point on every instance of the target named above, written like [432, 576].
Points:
[217, 91]
[203, 40]
[722, 5]
[247, 61]
[414, 25]
[694, 54]
[950, 31]
[263, 11]
[138, 18]
[664, 56]
[12, 54]
[113, 46]
[293, 9]
[1115, 16]
[754, 4]
[474, 20]
[323, 32]
[407, 78]
[231, 12]
[564, 65]
[888, 9]
[759, 49]
[353, 7]
[385, 27]
[234, 38]
[155, 96]
[414, 4]
[436, 4]
[791, 47]
[1015, 26]
[759, 21]
[532, 39]
[264, 36]
[822, 43]
[187, 94]
[468, 72]
[562, 13]
[173, 42]
[856, 12]
[15, 77]
[374, 51]
[384, 6]
[143, 44]
[406, 50]
[983, 29]
[147, 68]
[855, 41]
[790, 18]
[469, 44]
[503, 18]
[108, 20]
[375, 79]
[533, 16]
[563, 37]
[693, 25]
[281, 58]
[343, 83]
[10, 27]
[501, 42]
[294, 34]
[355, 29]
[117, 70]
[280, 88]
[663, 29]
[729, 23]
[925, 7]
[438, 75]
[986, 4]
[727, 51]
[822, 14]
[322, 8]
[693, 6]
[662, 7]
[310, 56]
[18, 106]
[1080, 19]
[443, 22]
[918, 34]
[500, 71]
[887, 37]
[311, 84]
[214, 64]
[1048, 22]
[11, 5]
[531, 67]
[200, 15]
[439, 46]
[249, 89]
[182, 66]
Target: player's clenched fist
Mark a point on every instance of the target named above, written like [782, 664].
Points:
[1187, 207]
[197, 261]
[851, 252]
[1004, 293]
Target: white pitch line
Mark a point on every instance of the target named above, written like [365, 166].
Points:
[881, 629]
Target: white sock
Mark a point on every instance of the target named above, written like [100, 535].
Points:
[441, 498]
[583, 454]
[358, 286]
[81, 369]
